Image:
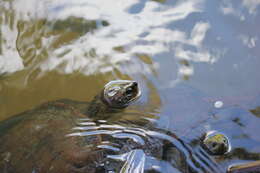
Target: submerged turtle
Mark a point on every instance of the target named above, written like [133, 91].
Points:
[44, 139]
[216, 143]
[37, 140]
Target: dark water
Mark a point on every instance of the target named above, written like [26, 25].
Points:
[197, 62]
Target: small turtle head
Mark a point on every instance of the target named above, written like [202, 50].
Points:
[120, 93]
[216, 143]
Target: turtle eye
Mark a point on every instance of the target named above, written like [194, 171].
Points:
[214, 144]
[129, 90]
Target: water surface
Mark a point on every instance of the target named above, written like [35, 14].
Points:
[186, 55]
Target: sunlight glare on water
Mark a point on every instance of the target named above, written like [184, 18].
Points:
[123, 29]
[137, 149]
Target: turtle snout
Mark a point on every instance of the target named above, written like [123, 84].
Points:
[134, 87]
[132, 92]
[135, 84]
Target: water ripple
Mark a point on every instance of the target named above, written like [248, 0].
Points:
[130, 148]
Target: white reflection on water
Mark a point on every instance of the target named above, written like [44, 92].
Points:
[142, 31]
[252, 5]
[227, 8]
[135, 162]
[145, 32]
[250, 42]
[125, 30]
[10, 60]
[197, 36]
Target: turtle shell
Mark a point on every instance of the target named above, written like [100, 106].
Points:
[37, 141]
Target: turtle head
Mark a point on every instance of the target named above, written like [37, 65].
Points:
[120, 93]
[216, 143]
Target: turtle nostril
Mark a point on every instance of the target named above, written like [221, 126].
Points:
[135, 84]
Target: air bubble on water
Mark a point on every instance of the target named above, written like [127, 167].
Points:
[218, 104]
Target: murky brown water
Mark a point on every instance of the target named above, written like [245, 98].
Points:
[186, 55]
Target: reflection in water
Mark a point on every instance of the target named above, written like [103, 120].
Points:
[142, 149]
[247, 41]
[69, 49]
[256, 111]
[251, 5]
[124, 31]
[80, 143]
[10, 60]
[133, 32]
[240, 153]
[161, 1]
[229, 8]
